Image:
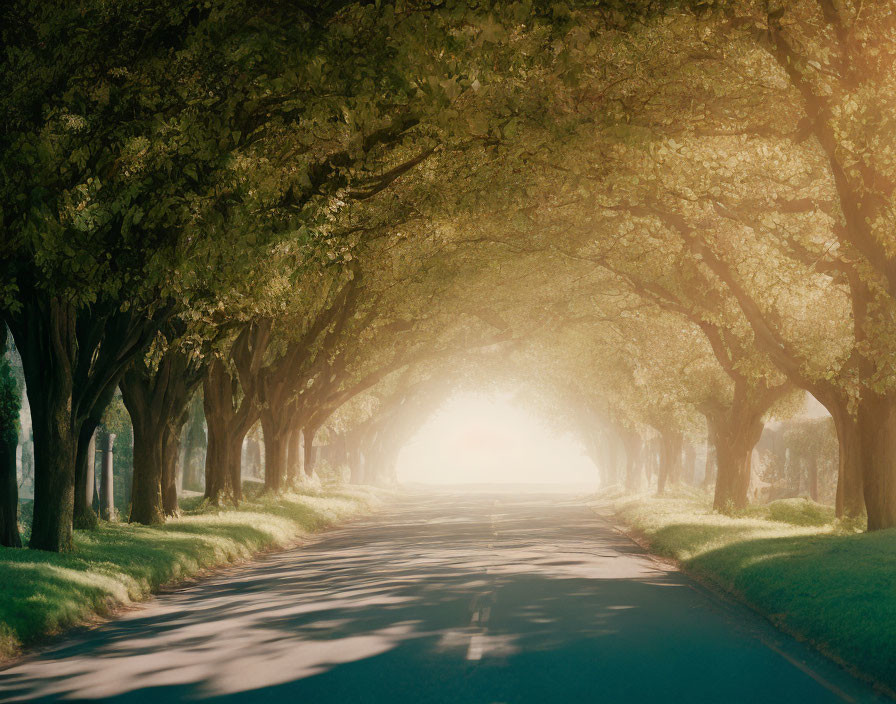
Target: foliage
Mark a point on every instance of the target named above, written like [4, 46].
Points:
[10, 399]
[115, 419]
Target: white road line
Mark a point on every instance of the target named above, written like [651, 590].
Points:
[480, 614]
[474, 652]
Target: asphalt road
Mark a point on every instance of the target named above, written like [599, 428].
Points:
[460, 598]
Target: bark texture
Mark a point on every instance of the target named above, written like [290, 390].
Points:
[877, 435]
[294, 457]
[276, 439]
[231, 403]
[48, 347]
[157, 398]
[633, 445]
[228, 418]
[310, 454]
[850, 499]
[734, 432]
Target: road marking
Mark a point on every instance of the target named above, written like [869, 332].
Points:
[474, 652]
[481, 609]
[809, 671]
[477, 640]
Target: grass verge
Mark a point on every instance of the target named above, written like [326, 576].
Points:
[812, 576]
[43, 593]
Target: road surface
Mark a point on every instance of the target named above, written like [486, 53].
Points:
[448, 597]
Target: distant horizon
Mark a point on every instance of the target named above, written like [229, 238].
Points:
[480, 438]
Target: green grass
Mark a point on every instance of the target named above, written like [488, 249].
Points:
[798, 512]
[44, 593]
[813, 576]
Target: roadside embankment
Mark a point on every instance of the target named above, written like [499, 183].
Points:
[44, 593]
[811, 575]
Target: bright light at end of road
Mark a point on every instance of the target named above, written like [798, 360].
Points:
[475, 439]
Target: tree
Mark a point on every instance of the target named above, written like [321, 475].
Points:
[157, 392]
[231, 408]
[105, 192]
[825, 64]
[9, 428]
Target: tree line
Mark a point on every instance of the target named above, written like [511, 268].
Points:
[678, 210]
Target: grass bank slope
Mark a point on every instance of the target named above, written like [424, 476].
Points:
[42, 593]
[811, 575]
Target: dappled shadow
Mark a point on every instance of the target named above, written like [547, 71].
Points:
[469, 599]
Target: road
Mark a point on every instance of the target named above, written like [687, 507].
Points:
[445, 597]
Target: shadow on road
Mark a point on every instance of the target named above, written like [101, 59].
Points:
[476, 599]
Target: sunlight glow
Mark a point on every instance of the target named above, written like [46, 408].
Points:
[485, 439]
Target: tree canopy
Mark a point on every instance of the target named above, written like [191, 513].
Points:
[668, 219]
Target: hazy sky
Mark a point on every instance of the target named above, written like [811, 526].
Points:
[477, 438]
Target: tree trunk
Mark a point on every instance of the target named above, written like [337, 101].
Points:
[179, 411]
[84, 517]
[850, 499]
[294, 456]
[653, 458]
[877, 433]
[9, 490]
[170, 451]
[217, 456]
[235, 466]
[734, 431]
[193, 442]
[146, 490]
[599, 451]
[227, 428]
[148, 422]
[275, 449]
[308, 436]
[54, 471]
[670, 459]
[252, 461]
[690, 461]
[709, 471]
[734, 435]
[46, 339]
[107, 484]
[812, 477]
[734, 452]
[193, 463]
[59, 344]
